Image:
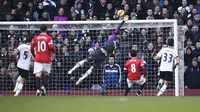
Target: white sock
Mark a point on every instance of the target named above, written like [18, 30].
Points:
[17, 83]
[79, 64]
[85, 75]
[160, 82]
[19, 89]
[162, 90]
[43, 89]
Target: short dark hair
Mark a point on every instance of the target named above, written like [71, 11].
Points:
[133, 53]
[29, 38]
[170, 42]
[43, 28]
[112, 55]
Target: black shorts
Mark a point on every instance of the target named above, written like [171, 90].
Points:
[167, 76]
[23, 73]
[97, 58]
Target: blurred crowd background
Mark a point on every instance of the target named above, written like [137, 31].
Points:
[74, 45]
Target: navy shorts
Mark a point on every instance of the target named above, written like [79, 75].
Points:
[97, 58]
[167, 76]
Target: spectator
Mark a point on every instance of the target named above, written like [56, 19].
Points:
[140, 13]
[197, 6]
[112, 76]
[168, 6]
[79, 9]
[143, 42]
[8, 17]
[193, 13]
[28, 16]
[179, 20]
[83, 17]
[65, 5]
[20, 9]
[15, 15]
[65, 51]
[150, 14]
[30, 7]
[5, 79]
[197, 20]
[37, 14]
[191, 6]
[50, 7]
[188, 57]
[191, 75]
[189, 25]
[13, 71]
[157, 13]
[100, 9]
[45, 17]
[110, 10]
[127, 9]
[165, 13]
[60, 16]
[196, 51]
[4, 9]
[184, 7]
[196, 34]
[189, 44]
[159, 44]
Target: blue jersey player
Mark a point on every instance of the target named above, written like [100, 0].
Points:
[100, 54]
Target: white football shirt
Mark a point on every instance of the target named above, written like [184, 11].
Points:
[168, 56]
[24, 56]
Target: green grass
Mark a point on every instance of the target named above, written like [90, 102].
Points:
[99, 104]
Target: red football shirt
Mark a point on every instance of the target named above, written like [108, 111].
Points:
[41, 48]
[132, 68]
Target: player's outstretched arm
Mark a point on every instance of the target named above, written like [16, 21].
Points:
[121, 24]
[113, 36]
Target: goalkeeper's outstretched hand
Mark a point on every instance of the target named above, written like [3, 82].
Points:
[126, 17]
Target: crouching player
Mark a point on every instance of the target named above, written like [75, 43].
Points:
[42, 49]
[24, 60]
[132, 69]
[100, 54]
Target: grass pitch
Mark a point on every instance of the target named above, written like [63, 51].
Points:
[99, 104]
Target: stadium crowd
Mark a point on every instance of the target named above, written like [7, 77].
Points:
[71, 46]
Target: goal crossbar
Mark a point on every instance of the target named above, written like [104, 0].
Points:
[85, 22]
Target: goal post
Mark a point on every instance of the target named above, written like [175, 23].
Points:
[136, 33]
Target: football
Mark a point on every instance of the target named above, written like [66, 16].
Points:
[120, 13]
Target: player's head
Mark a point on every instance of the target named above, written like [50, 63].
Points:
[29, 38]
[43, 28]
[133, 53]
[170, 42]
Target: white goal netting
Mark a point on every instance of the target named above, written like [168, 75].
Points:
[75, 40]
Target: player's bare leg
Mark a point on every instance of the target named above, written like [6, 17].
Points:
[85, 75]
[45, 83]
[37, 80]
[20, 86]
[126, 91]
[79, 64]
[129, 85]
[17, 83]
[160, 83]
[164, 87]
[140, 89]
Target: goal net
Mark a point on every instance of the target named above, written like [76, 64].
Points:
[74, 40]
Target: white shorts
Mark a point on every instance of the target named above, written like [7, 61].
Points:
[42, 67]
[140, 82]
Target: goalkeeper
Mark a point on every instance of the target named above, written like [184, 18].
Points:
[100, 54]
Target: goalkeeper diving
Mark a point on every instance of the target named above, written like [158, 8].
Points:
[100, 54]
